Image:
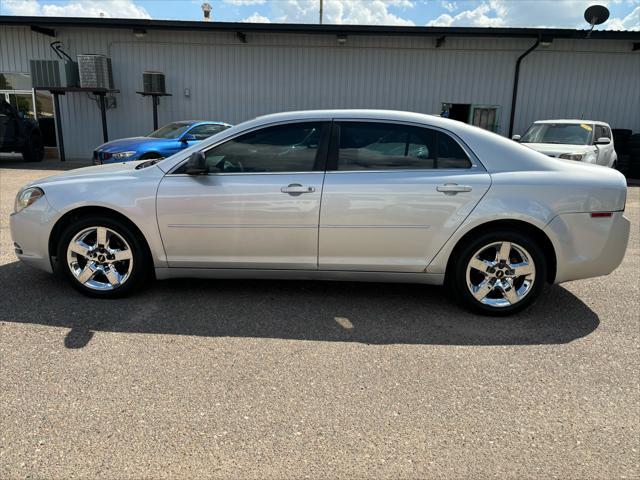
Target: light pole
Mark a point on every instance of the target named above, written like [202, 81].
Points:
[320, 12]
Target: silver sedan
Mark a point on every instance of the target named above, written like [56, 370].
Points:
[337, 195]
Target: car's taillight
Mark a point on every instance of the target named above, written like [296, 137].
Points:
[601, 214]
[106, 155]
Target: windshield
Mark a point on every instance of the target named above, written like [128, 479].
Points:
[170, 130]
[567, 133]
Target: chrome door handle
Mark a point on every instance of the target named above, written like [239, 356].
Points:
[296, 188]
[453, 188]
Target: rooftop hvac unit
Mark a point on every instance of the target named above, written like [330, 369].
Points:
[95, 71]
[153, 82]
[53, 73]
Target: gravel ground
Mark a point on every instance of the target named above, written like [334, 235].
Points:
[266, 379]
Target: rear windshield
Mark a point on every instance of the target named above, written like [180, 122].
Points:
[567, 133]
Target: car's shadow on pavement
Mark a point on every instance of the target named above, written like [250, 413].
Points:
[371, 313]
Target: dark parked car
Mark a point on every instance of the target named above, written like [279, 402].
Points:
[19, 134]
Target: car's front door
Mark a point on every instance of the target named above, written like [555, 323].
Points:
[393, 194]
[258, 207]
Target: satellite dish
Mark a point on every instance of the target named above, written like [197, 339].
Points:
[596, 14]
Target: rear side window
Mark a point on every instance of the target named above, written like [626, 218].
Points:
[450, 153]
[388, 146]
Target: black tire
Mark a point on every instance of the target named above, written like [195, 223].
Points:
[34, 150]
[141, 267]
[457, 273]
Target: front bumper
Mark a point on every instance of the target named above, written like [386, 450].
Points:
[586, 246]
[30, 230]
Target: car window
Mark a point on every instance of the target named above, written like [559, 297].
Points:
[386, 146]
[202, 132]
[170, 130]
[282, 148]
[450, 153]
[383, 146]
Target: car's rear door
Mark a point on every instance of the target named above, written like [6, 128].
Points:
[258, 207]
[393, 194]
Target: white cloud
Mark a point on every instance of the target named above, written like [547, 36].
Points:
[245, 2]
[630, 22]
[531, 13]
[255, 17]
[78, 8]
[484, 15]
[364, 12]
[449, 6]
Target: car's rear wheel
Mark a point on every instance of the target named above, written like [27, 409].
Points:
[34, 149]
[102, 257]
[498, 273]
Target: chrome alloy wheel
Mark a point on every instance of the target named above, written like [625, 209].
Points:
[500, 274]
[100, 258]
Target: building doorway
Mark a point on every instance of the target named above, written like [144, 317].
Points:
[483, 116]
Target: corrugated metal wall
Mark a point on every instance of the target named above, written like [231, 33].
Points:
[233, 81]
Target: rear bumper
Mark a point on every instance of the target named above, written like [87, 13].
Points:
[586, 246]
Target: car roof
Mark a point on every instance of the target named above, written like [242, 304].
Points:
[564, 120]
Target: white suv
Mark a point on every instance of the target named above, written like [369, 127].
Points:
[581, 140]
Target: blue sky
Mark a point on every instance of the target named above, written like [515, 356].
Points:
[625, 14]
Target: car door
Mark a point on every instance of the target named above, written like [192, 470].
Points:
[393, 194]
[258, 207]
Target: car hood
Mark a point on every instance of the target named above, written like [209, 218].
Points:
[555, 149]
[132, 143]
[93, 173]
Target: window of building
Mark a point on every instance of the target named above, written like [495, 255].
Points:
[483, 116]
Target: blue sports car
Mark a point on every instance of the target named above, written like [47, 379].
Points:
[164, 142]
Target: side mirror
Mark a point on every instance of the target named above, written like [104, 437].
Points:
[602, 141]
[187, 137]
[516, 138]
[197, 164]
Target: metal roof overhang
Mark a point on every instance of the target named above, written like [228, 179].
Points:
[42, 23]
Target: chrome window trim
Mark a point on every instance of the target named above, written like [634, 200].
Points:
[473, 158]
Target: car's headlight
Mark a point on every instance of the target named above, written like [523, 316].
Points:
[26, 197]
[571, 156]
[121, 155]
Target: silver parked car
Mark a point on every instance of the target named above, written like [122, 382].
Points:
[338, 195]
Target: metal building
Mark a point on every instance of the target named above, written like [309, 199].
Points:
[236, 71]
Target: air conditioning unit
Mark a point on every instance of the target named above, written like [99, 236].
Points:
[153, 82]
[53, 73]
[95, 71]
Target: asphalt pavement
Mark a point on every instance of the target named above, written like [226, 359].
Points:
[291, 379]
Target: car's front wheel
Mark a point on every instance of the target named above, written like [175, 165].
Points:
[102, 257]
[498, 273]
